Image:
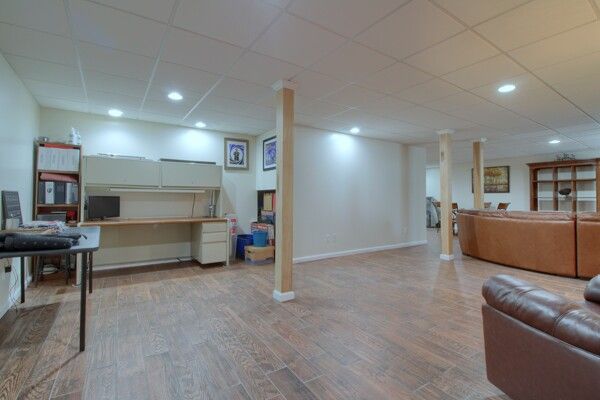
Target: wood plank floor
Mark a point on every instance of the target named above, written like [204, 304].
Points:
[397, 324]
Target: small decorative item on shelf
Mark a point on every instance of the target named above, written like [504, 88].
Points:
[564, 192]
[565, 156]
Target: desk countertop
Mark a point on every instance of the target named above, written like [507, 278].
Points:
[88, 243]
[151, 221]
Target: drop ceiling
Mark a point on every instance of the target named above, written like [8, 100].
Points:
[399, 69]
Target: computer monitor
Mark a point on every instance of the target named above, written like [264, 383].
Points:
[101, 207]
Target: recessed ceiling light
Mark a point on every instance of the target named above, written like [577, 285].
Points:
[113, 112]
[355, 130]
[507, 88]
[555, 141]
[175, 96]
[200, 124]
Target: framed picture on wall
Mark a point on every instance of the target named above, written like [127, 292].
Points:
[495, 179]
[236, 154]
[270, 153]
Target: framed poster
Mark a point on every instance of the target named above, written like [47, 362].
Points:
[270, 153]
[495, 179]
[236, 154]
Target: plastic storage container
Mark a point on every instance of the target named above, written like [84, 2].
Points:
[242, 242]
[260, 238]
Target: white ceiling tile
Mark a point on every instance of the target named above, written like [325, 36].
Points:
[175, 77]
[106, 26]
[314, 85]
[528, 88]
[227, 105]
[297, 41]
[494, 116]
[237, 22]
[395, 78]
[354, 96]
[115, 62]
[495, 69]
[114, 100]
[244, 91]
[37, 45]
[47, 89]
[536, 20]
[352, 62]
[585, 68]
[160, 93]
[357, 15]
[27, 68]
[196, 51]
[102, 109]
[563, 47]
[99, 81]
[161, 119]
[457, 52]
[61, 104]
[164, 107]
[278, 3]
[473, 12]
[412, 28]
[387, 106]
[48, 15]
[317, 108]
[159, 10]
[264, 70]
[449, 103]
[428, 91]
[432, 119]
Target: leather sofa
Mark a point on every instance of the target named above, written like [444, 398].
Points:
[560, 243]
[539, 345]
[588, 244]
[537, 241]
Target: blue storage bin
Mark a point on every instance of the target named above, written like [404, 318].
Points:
[242, 242]
[260, 238]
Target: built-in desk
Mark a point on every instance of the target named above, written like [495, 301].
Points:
[208, 239]
[152, 221]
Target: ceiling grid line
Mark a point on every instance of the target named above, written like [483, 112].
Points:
[75, 42]
[158, 55]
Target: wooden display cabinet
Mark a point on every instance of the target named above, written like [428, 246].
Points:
[547, 179]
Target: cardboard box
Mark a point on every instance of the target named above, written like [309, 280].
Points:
[254, 253]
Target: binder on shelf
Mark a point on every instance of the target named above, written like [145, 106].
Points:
[268, 201]
[46, 192]
[71, 193]
[60, 193]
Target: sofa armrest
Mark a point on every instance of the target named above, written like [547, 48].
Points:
[545, 311]
[592, 291]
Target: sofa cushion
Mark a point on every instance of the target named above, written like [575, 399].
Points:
[545, 311]
[592, 291]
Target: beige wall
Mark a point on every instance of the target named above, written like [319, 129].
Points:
[19, 125]
[352, 194]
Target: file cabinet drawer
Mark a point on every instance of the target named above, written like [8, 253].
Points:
[208, 227]
[213, 237]
[213, 252]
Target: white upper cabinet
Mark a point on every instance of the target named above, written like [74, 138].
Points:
[107, 171]
[179, 175]
[118, 172]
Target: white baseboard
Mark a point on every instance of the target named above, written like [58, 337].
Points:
[324, 256]
[283, 297]
[447, 257]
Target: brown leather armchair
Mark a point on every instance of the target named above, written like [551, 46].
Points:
[539, 345]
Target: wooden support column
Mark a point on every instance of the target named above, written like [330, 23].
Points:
[478, 177]
[284, 210]
[446, 193]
